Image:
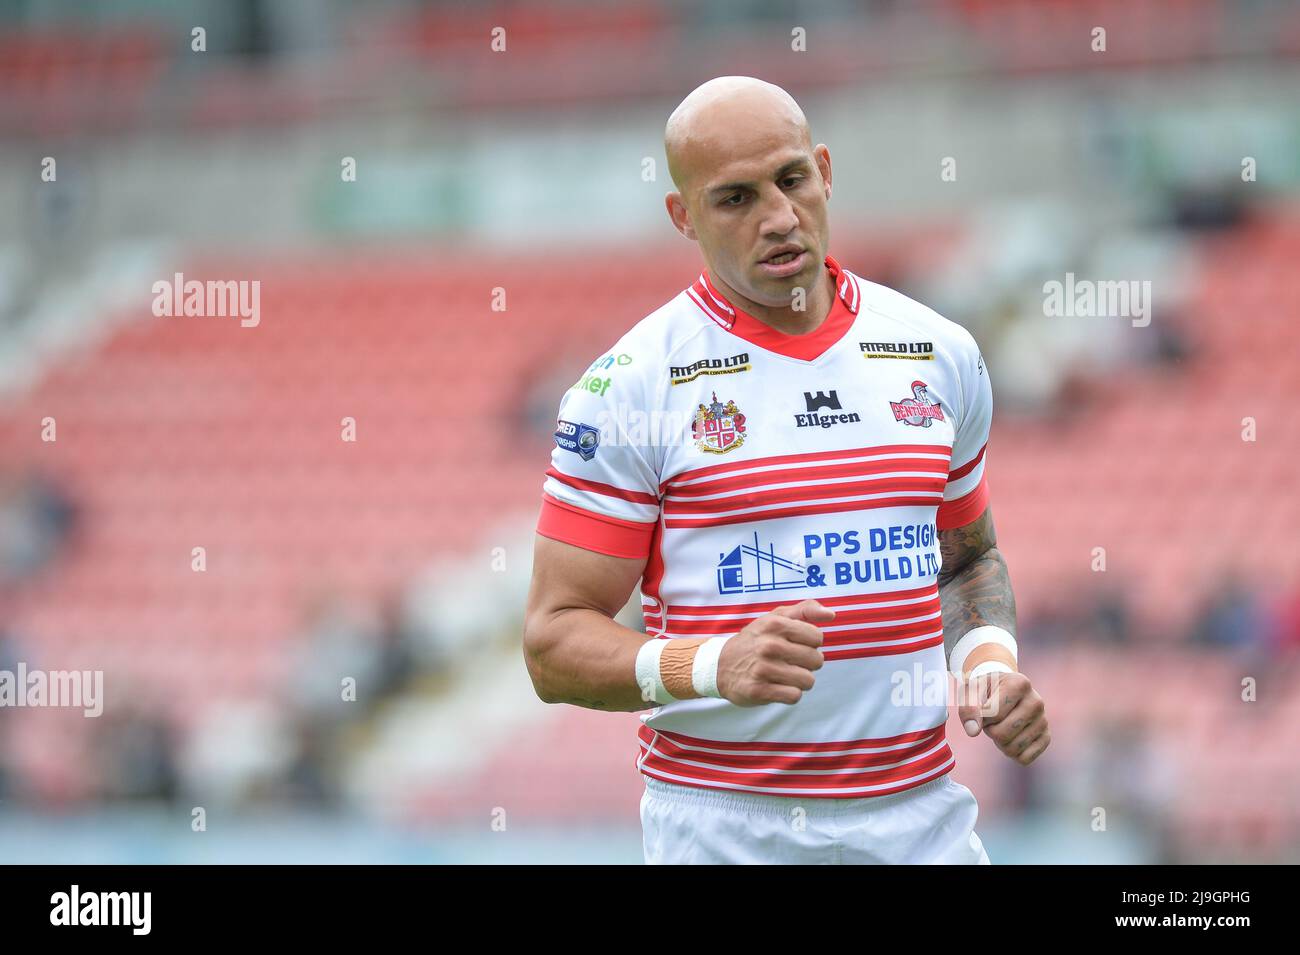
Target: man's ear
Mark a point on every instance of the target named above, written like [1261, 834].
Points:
[680, 216]
[823, 157]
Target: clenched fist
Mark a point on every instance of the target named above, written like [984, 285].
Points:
[1007, 708]
[773, 659]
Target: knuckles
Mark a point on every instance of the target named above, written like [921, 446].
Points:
[1035, 749]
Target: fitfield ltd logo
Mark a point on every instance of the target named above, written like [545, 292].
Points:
[681, 374]
[214, 299]
[75, 907]
[914, 351]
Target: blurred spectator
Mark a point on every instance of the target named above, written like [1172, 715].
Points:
[239, 750]
[36, 518]
[136, 752]
[1099, 615]
[9, 655]
[396, 642]
[1207, 206]
[341, 641]
[538, 402]
[1110, 615]
[1124, 770]
[1232, 616]
[311, 777]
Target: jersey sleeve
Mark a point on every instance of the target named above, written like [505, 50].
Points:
[602, 488]
[966, 494]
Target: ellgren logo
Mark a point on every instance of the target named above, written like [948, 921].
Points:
[822, 400]
[918, 410]
[747, 570]
[819, 402]
[718, 427]
[581, 439]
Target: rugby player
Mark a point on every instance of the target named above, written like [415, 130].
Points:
[811, 532]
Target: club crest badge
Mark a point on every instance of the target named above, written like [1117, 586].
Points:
[918, 410]
[718, 427]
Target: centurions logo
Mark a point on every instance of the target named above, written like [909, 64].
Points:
[918, 410]
[718, 427]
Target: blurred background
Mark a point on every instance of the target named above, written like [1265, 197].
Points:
[445, 236]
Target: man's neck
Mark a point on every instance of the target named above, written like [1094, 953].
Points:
[785, 318]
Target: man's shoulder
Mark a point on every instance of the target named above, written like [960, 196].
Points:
[633, 370]
[653, 340]
[909, 314]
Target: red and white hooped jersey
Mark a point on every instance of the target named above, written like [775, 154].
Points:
[754, 469]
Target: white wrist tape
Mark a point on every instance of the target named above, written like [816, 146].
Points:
[703, 662]
[647, 672]
[979, 637]
[704, 672]
[990, 666]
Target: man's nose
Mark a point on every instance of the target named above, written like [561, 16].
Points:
[779, 215]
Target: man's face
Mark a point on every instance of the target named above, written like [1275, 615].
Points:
[770, 192]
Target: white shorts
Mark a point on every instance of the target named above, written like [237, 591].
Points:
[931, 824]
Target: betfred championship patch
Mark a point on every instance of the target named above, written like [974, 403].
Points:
[718, 427]
[581, 439]
[918, 410]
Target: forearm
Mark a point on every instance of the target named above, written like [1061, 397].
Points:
[584, 658]
[979, 594]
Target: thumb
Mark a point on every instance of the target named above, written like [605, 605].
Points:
[973, 700]
[809, 611]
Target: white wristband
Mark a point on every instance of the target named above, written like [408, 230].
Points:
[647, 672]
[704, 671]
[978, 638]
[990, 666]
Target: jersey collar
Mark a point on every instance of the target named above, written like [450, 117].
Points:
[804, 347]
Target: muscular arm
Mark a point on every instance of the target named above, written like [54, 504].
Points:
[974, 587]
[975, 591]
[575, 651]
[577, 654]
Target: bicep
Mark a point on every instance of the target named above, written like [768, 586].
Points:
[567, 577]
[959, 546]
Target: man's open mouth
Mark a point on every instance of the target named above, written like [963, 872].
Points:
[785, 263]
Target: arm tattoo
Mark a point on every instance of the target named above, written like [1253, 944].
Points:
[974, 586]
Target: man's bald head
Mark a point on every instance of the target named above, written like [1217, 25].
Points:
[752, 190]
[714, 116]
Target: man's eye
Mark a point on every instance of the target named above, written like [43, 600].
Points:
[727, 201]
[794, 179]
